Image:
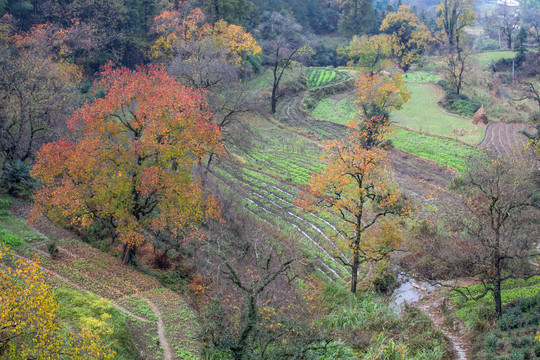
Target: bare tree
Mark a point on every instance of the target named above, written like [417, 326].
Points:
[508, 22]
[497, 220]
[257, 312]
[284, 43]
[457, 65]
[36, 96]
[202, 64]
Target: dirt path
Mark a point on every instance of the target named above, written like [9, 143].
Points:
[87, 269]
[167, 353]
[433, 305]
[71, 283]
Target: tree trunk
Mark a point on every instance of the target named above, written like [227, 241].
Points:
[356, 263]
[509, 41]
[249, 323]
[354, 272]
[274, 97]
[128, 253]
[497, 287]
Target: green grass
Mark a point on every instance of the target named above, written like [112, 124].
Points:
[473, 313]
[14, 232]
[421, 76]
[484, 58]
[422, 113]
[443, 151]
[83, 311]
[340, 112]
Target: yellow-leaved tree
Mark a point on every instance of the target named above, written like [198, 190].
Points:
[29, 328]
[356, 186]
[409, 37]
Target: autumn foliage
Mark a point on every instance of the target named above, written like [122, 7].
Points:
[130, 166]
[356, 187]
[29, 328]
[174, 29]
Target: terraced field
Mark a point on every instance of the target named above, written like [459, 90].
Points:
[505, 139]
[162, 325]
[317, 77]
[272, 201]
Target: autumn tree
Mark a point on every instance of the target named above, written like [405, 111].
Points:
[29, 328]
[373, 53]
[409, 37]
[356, 187]
[284, 44]
[130, 165]
[209, 57]
[376, 96]
[37, 93]
[496, 218]
[180, 31]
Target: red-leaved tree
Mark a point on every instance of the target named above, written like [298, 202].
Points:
[130, 166]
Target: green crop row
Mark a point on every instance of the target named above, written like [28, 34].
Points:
[322, 77]
[473, 312]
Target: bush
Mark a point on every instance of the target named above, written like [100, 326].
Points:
[458, 104]
[52, 248]
[385, 279]
[536, 349]
[491, 342]
[5, 203]
[16, 178]
[516, 355]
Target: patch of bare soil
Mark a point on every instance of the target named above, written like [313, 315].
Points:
[506, 139]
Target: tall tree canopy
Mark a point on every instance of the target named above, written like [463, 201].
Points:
[356, 187]
[131, 163]
[37, 92]
[408, 36]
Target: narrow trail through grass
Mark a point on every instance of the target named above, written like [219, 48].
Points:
[89, 270]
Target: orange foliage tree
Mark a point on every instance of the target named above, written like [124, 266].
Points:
[356, 187]
[376, 96]
[177, 28]
[131, 165]
[29, 328]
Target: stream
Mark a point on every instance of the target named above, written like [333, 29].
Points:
[410, 291]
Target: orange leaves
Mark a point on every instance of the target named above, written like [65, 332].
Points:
[132, 162]
[384, 91]
[177, 28]
[356, 187]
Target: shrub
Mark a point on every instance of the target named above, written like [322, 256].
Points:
[52, 248]
[5, 203]
[536, 349]
[516, 355]
[491, 342]
[16, 178]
